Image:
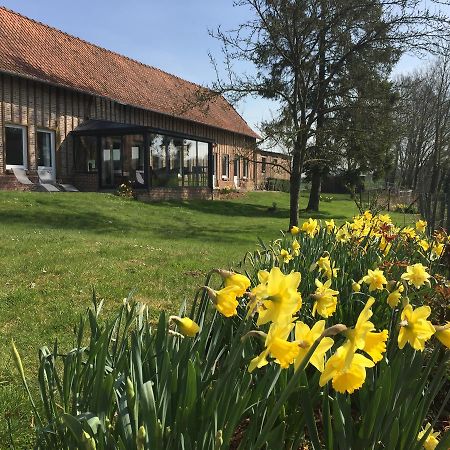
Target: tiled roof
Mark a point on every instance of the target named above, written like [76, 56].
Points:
[35, 50]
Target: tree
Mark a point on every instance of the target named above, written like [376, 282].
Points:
[300, 51]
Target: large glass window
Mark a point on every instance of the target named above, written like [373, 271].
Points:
[15, 146]
[85, 154]
[178, 162]
[263, 165]
[237, 165]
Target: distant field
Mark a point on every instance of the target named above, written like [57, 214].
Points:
[56, 248]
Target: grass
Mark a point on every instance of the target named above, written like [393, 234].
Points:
[56, 248]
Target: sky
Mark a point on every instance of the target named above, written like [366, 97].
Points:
[171, 35]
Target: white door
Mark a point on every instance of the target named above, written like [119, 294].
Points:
[45, 152]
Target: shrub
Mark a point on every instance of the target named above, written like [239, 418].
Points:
[261, 370]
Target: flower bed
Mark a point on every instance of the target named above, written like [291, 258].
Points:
[327, 341]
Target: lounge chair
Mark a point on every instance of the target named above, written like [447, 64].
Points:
[46, 180]
[21, 176]
[139, 178]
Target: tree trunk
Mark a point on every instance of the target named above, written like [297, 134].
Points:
[295, 180]
[314, 194]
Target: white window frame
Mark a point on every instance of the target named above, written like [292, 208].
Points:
[52, 149]
[24, 149]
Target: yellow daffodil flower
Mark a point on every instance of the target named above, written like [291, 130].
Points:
[363, 337]
[346, 369]
[414, 327]
[327, 267]
[375, 279]
[310, 227]
[343, 234]
[443, 334]
[385, 246]
[295, 247]
[305, 337]
[224, 300]
[431, 442]
[295, 230]
[285, 256]
[416, 275]
[385, 218]
[277, 347]
[437, 250]
[409, 232]
[393, 298]
[237, 280]
[325, 299]
[186, 326]
[421, 225]
[330, 225]
[424, 245]
[277, 296]
[356, 287]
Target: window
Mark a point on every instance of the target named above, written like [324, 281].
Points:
[15, 146]
[44, 148]
[275, 161]
[237, 164]
[245, 167]
[225, 166]
[85, 154]
[179, 162]
[263, 165]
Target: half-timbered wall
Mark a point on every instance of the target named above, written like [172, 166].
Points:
[38, 105]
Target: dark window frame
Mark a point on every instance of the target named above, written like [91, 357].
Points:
[24, 130]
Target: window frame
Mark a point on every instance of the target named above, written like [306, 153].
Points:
[24, 129]
[226, 166]
[52, 149]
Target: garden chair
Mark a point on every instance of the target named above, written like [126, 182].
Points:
[46, 180]
[21, 176]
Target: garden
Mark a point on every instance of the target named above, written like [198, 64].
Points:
[333, 335]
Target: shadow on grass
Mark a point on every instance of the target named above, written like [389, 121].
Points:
[228, 208]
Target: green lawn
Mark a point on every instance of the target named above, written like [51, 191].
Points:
[55, 248]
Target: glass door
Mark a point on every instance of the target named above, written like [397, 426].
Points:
[45, 150]
[111, 161]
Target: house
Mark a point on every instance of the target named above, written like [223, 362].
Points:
[96, 119]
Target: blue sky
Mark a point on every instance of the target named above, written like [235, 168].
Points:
[171, 34]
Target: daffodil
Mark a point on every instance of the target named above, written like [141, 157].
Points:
[224, 300]
[343, 234]
[310, 227]
[443, 334]
[277, 296]
[393, 298]
[421, 225]
[385, 246]
[330, 225]
[277, 347]
[431, 441]
[346, 369]
[325, 266]
[424, 244]
[285, 256]
[416, 275]
[437, 250]
[295, 247]
[414, 327]
[363, 336]
[325, 299]
[186, 326]
[409, 232]
[237, 280]
[375, 279]
[356, 287]
[294, 230]
[305, 338]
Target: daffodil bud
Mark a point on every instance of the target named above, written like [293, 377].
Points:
[334, 330]
[219, 440]
[140, 438]
[186, 325]
[131, 395]
[356, 287]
